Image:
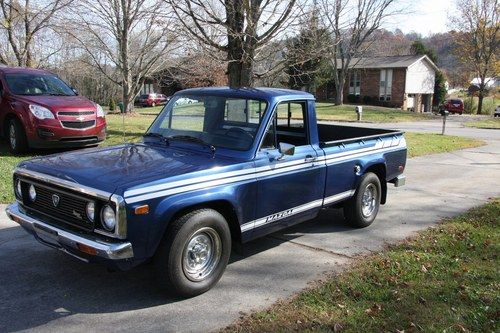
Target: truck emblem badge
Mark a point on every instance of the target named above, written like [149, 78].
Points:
[77, 215]
[55, 200]
[81, 118]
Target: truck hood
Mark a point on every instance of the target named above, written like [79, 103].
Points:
[117, 168]
[60, 102]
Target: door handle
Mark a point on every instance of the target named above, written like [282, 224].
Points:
[310, 158]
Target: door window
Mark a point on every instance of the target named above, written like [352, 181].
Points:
[288, 126]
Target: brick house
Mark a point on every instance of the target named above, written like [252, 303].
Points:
[405, 82]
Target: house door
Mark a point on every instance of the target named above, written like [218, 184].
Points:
[410, 102]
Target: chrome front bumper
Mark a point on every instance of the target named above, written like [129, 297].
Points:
[68, 242]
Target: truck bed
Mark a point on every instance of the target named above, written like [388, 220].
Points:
[334, 134]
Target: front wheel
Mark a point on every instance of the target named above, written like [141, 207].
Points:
[194, 253]
[360, 211]
[16, 137]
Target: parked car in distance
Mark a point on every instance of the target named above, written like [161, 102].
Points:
[39, 110]
[497, 112]
[229, 167]
[453, 106]
[152, 99]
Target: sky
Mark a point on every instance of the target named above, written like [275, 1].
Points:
[425, 17]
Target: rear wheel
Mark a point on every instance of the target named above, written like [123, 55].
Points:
[16, 137]
[194, 253]
[360, 211]
[153, 104]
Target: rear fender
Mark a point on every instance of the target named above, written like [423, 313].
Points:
[378, 167]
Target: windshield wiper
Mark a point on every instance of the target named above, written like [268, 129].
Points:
[157, 135]
[191, 138]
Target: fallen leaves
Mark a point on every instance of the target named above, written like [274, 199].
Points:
[373, 310]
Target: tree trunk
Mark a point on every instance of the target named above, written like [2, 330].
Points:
[238, 66]
[125, 98]
[339, 89]
[480, 102]
[234, 73]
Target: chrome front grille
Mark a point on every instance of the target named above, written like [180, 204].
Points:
[67, 207]
[78, 124]
[75, 113]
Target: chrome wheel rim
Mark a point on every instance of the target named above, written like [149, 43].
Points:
[201, 254]
[12, 136]
[369, 200]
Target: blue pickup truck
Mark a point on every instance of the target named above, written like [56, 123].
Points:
[217, 168]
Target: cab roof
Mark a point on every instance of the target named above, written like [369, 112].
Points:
[249, 93]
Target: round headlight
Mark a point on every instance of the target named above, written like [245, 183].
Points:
[32, 192]
[108, 218]
[19, 191]
[90, 210]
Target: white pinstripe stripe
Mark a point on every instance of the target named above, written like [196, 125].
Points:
[295, 210]
[160, 190]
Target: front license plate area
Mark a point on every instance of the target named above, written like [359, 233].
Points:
[47, 235]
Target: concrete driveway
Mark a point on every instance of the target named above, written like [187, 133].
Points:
[45, 291]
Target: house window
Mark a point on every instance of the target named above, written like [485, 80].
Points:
[147, 88]
[385, 84]
[355, 83]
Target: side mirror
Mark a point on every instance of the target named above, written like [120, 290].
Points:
[74, 90]
[285, 149]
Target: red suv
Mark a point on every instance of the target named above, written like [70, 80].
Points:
[39, 110]
[152, 99]
[453, 106]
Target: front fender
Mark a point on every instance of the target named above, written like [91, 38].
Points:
[169, 207]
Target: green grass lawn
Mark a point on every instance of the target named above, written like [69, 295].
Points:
[374, 114]
[136, 125]
[428, 143]
[443, 280]
[149, 110]
[493, 123]
[329, 111]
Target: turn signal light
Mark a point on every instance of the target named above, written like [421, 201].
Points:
[86, 249]
[142, 210]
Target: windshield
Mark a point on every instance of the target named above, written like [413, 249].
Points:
[37, 84]
[217, 121]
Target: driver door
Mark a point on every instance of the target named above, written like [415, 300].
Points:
[289, 186]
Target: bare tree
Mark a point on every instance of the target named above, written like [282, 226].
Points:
[352, 23]
[238, 28]
[21, 23]
[132, 37]
[477, 40]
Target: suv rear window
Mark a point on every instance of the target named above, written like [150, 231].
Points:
[456, 101]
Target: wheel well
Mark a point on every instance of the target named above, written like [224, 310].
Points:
[6, 122]
[223, 207]
[379, 170]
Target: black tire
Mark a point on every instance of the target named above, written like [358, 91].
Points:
[353, 209]
[16, 137]
[171, 259]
